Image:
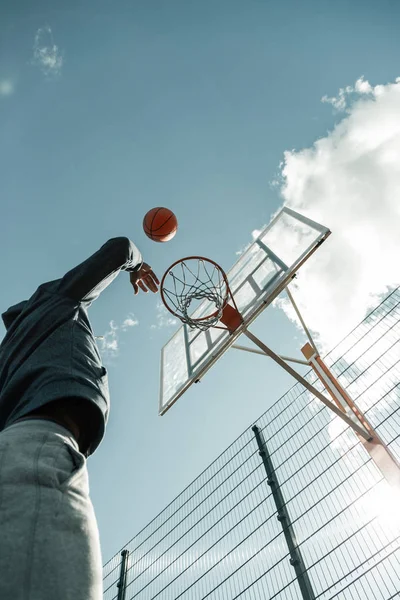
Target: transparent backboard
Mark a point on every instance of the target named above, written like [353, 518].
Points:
[258, 277]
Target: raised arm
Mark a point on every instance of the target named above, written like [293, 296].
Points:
[85, 282]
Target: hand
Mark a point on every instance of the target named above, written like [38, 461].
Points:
[144, 279]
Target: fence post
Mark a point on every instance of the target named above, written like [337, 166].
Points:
[296, 559]
[121, 585]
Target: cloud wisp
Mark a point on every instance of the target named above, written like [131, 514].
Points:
[349, 181]
[163, 317]
[109, 341]
[348, 93]
[46, 54]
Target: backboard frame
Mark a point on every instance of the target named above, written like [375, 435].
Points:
[276, 285]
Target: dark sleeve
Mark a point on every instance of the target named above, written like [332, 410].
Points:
[85, 282]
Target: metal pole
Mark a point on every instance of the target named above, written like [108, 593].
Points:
[121, 585]
[296, 559]
[298, 313]
[287, 358]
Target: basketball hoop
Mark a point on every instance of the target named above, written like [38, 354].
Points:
[186, 287]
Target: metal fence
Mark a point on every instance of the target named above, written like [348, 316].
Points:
[221, 539]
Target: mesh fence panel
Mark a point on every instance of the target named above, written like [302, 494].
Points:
[220, 538]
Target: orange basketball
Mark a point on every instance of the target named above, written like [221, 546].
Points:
[160, 224]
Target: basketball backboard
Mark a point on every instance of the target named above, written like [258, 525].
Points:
[258, 277]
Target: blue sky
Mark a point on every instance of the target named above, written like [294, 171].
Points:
[109, 109]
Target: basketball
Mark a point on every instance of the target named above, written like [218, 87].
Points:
[160, 224]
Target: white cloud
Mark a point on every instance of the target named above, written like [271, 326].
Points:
[6, 87]
[163, 317]
[46, 55]
[112, 345]
[341, 101]
[109, 341]
[130, 321]
[363, 87]
[350, 182]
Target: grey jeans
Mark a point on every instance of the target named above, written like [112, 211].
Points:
[49, 539]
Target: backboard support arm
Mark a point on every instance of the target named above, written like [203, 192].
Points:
[376, 448]
[298, 313]
[342, 405]
[287, 358]
[342, 415]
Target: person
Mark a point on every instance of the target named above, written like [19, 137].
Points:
[54, 407]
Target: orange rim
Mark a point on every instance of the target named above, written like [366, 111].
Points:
[220, 269]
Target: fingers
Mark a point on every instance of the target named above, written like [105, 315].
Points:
[142, 286]
[147, 283]
[145, 279]
[149, 278]
[154, 276]
[151, 281]
[148, 272]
